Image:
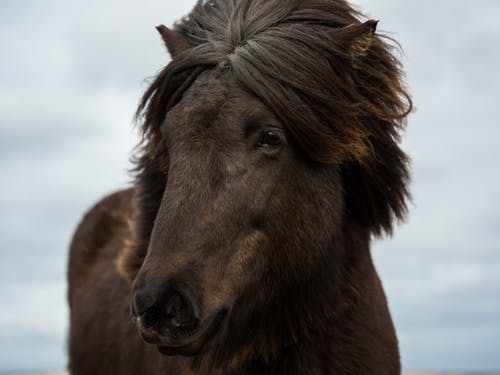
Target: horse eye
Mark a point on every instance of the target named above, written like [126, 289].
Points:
[269, 139]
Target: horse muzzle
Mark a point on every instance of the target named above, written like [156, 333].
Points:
[187, 340]
[172, 322]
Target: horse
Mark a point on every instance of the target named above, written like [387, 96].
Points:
[270, 158]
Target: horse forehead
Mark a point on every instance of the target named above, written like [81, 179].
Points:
[213, 96]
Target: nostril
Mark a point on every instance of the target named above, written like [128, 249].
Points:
[179, 312]
[174, 306]
[151, 318]
[142, 302]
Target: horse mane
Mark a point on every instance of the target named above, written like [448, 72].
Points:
[342, 107]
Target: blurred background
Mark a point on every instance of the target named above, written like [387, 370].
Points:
[71, 74]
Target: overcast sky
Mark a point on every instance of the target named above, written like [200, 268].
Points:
[71, 73]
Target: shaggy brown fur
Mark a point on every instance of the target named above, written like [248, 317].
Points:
[270, 157]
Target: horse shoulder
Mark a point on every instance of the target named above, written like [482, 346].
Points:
[101, 235]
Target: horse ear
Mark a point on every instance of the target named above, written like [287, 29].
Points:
[359, 38]
[174, 41]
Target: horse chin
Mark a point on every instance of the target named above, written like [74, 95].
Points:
[189, 350]
[194, 345]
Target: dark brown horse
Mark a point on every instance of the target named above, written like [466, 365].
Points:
[270, 158]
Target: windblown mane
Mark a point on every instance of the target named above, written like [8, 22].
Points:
[341, 106]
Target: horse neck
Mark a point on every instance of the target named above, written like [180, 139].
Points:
[351, 331]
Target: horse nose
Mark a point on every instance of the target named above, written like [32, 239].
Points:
[168, 313]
